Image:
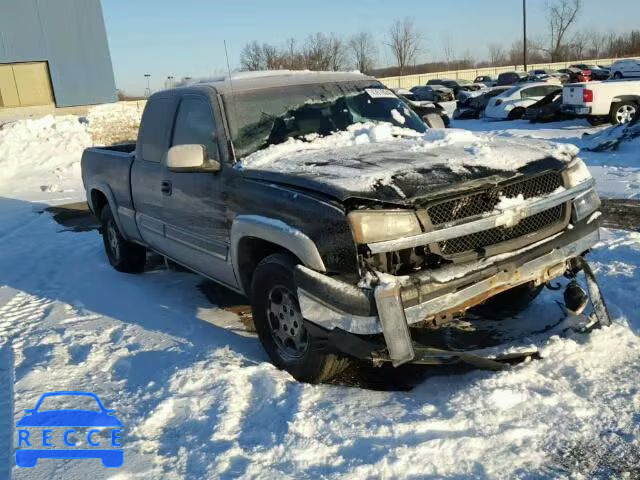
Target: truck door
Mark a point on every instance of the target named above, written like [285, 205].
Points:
[194, 210]
[146, 172]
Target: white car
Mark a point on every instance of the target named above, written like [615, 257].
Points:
[512, 104]
[625, 68]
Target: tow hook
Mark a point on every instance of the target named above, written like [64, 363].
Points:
[576, 299]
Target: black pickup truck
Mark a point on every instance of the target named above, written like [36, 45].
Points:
[348, 223]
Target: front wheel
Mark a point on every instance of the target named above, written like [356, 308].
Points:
[617, 75]
[280, 325]
[124, 256]
[516, 113]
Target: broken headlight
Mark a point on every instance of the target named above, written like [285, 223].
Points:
[370, 226]
[585, 204]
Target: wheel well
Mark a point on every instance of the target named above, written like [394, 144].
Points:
[251, 251]
[98, 201]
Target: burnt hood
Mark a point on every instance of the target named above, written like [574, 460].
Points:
[402, 170]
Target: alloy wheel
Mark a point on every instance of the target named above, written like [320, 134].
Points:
[286, 323]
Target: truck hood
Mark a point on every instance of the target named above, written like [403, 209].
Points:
[372, 166]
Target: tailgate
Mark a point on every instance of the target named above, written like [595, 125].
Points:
[572, 94]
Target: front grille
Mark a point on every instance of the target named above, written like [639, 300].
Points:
[479, 240]
[485, 201]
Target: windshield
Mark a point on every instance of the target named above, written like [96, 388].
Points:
[270, 116]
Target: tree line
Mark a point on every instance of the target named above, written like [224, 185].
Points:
[405, 42]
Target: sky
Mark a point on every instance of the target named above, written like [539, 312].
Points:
[186, 37]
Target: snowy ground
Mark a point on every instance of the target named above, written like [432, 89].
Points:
[199, 399]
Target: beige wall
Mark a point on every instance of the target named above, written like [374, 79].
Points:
[408, 81]
[25, 84]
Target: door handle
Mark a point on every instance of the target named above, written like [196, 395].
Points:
[165, 187]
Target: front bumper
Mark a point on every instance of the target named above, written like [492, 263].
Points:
[398, 302]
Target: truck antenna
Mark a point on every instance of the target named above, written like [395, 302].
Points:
[233, 100]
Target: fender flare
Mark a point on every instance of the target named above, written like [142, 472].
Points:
[278, 233]
[626, 98]
[104, 188]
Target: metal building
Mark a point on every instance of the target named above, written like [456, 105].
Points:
[54, 52]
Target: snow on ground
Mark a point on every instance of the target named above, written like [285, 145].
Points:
[198, 398]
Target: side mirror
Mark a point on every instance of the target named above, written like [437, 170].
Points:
[190, 158]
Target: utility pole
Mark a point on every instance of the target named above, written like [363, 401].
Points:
[147, 92]
[524, 31]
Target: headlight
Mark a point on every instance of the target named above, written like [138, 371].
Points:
[370, 226]
[585, 204]
[576, 173]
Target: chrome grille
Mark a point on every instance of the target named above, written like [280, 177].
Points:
[485, 201]
[493, 236]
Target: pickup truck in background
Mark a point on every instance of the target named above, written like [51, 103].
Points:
[615, 101]
[345, 249]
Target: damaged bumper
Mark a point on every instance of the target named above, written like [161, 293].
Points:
[399, 302]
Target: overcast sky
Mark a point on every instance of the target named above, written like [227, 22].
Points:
[185, 37]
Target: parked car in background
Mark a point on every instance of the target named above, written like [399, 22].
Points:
[473, 107]
[512, 104]
[456, 85]
[616, 101]
[577, 75]
[625, 68]
[548, 109]
[432, 113]
[597, 73]
[486, 80]
[510, 78]
[433, 93]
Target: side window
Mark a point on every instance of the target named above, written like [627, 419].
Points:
[195, 125]
[532, 92]
[154, 132]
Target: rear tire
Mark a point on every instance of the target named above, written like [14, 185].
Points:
[597, 120]
[622, 112]
[509, 303]
[516, 113]
[124, 256]
[280, 326]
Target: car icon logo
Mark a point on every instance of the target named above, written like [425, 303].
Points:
[72, 421]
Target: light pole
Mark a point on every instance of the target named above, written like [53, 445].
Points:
[524, 31]
[147, 92]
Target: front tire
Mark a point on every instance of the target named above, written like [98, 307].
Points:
[617, 75]
[516, 113]
[124, 256]
[280, 325]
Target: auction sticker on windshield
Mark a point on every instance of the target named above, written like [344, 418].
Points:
[380, 93]
[54, 430]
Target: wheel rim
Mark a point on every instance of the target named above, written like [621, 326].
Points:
[112, 239]
[286, 324]
[625, 113]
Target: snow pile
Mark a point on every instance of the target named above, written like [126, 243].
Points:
[42, 155]
[114, 123]
[40, 158]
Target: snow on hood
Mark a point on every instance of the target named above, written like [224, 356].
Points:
[381, 161]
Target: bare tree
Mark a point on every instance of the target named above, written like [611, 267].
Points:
[251, 57]
[404, 42]
[272, 59]
[337, 53]
[497, 55]
[597, 44]
[363, 51]
[561, 15]
[578, 46]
